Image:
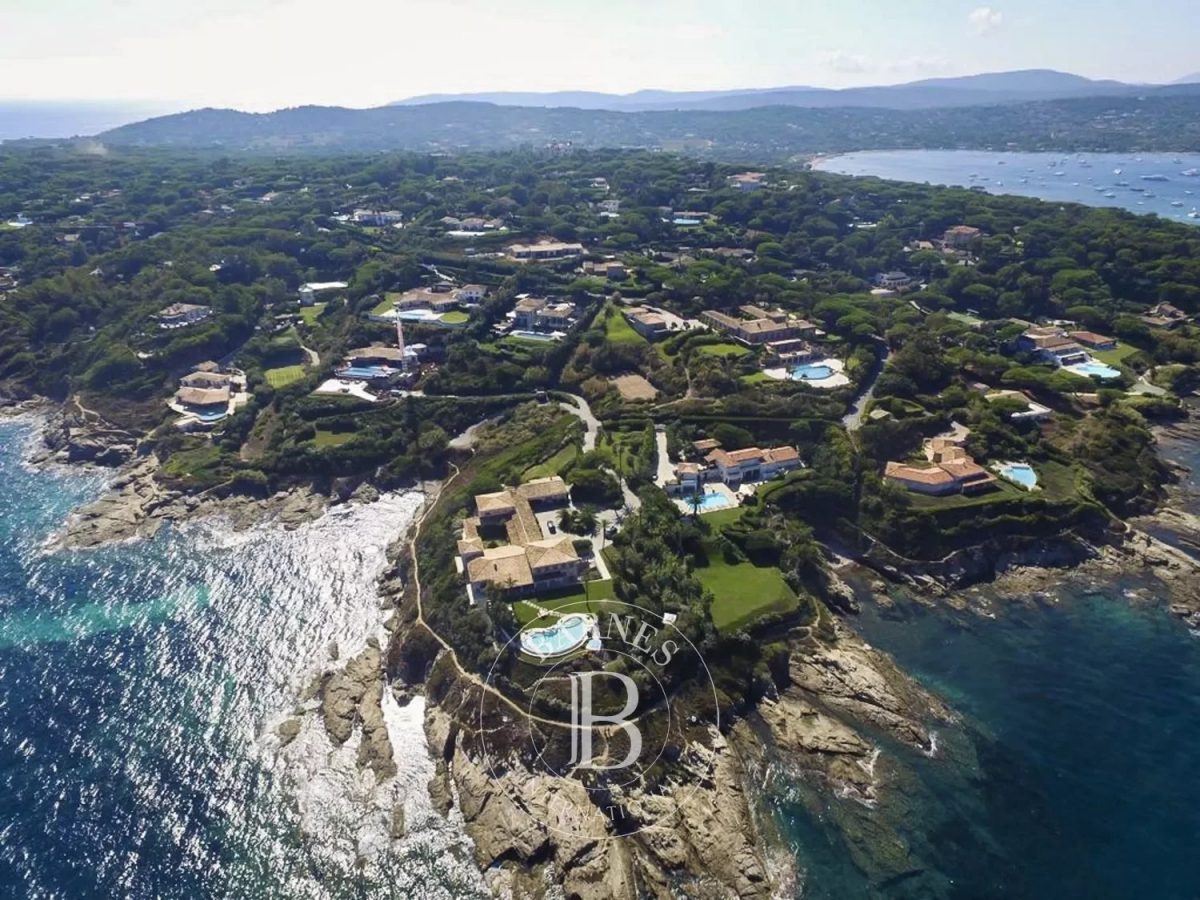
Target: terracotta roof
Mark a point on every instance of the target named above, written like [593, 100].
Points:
[205, 380]
[502, 566]
[931, 475]
[542, 488]
[551, 552]
[194, 396]
[706, 444]
[501, 501]
[782, 454]
[1090, 337]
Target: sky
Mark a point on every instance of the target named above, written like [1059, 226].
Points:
[259, 55]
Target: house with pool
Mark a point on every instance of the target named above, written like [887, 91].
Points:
[716, 478]
[951, 471]
[208, 395]
[503, 551]
[1054, 346]
[380, 363]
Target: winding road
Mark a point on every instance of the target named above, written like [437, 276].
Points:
[853, 420]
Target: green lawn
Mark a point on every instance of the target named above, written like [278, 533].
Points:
[283, 376]
[744, 592]
[594, 599]
[455, 317]
[310, 313]
[619, 331]
[1004, 492]
[1114, 357]
[385, 305]
[759, 378]
[724, 350]
[722, 517]
[553, 466]
[332, 438]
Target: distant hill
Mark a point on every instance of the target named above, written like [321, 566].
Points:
[1167, 119]
[970, 90]
[1194, 78]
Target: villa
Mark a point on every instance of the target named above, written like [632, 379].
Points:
[733, 467]
[960, 237]
[747, 181]
[528, 562]
[440, 297]
[612, 269]
[310, 290]
[792, 352]
[953, 471]
[180, 315]
[1033, 411]
[377, 218]
[545, 251]
[759, 330]
[207, 395]
[543, 314]
[1052, 345]
[1165, 315]
[896, 282]
[646, 322]
[1094, 341]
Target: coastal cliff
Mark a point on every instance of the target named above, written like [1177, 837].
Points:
[705, 836]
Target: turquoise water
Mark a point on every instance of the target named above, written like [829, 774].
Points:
[811, 373]
[1022, 473]
[710, 501]
[140, 686]
[1088, 178]
[367, 372]
[1094, 370]
[1084, 713]
[534, 336]
[569, 633]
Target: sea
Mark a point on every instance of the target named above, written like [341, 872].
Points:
[1148, 183]
[31, 119]
[141, 686]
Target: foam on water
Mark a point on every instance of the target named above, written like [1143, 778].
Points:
[140, 686]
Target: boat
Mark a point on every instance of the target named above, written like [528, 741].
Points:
[1155, 178]
[1059, 174]
[1191, 173]
[1118, 171]
[1122, 184]
[1109, 194]
[1177, 203]
[1194, 214]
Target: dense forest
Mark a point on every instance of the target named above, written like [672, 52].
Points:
[116, 237]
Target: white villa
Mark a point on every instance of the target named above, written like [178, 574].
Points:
[733, 467]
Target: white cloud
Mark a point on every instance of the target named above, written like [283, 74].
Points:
[984, 19]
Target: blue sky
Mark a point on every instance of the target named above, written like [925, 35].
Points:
[264, 54]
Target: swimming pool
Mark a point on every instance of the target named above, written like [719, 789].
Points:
[811, 373]
[710, 501]
[368, 372]
[1094, 369]
[568, 634]
[1022, 473]
[210, 416]
[536, 335]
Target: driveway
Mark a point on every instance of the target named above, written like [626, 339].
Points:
[665, 471]
[580, 409]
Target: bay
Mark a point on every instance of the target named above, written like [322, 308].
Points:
[1087, 178]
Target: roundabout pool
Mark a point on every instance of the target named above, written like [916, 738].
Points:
[569, 633]
[812, 372]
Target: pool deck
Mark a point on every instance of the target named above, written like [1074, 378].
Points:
[836, 380]
[588, 620]
[346, 388]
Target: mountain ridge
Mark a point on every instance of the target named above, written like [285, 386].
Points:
[1016, 86]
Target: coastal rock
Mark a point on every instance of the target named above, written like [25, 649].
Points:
[288, 730]
[344, 692]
